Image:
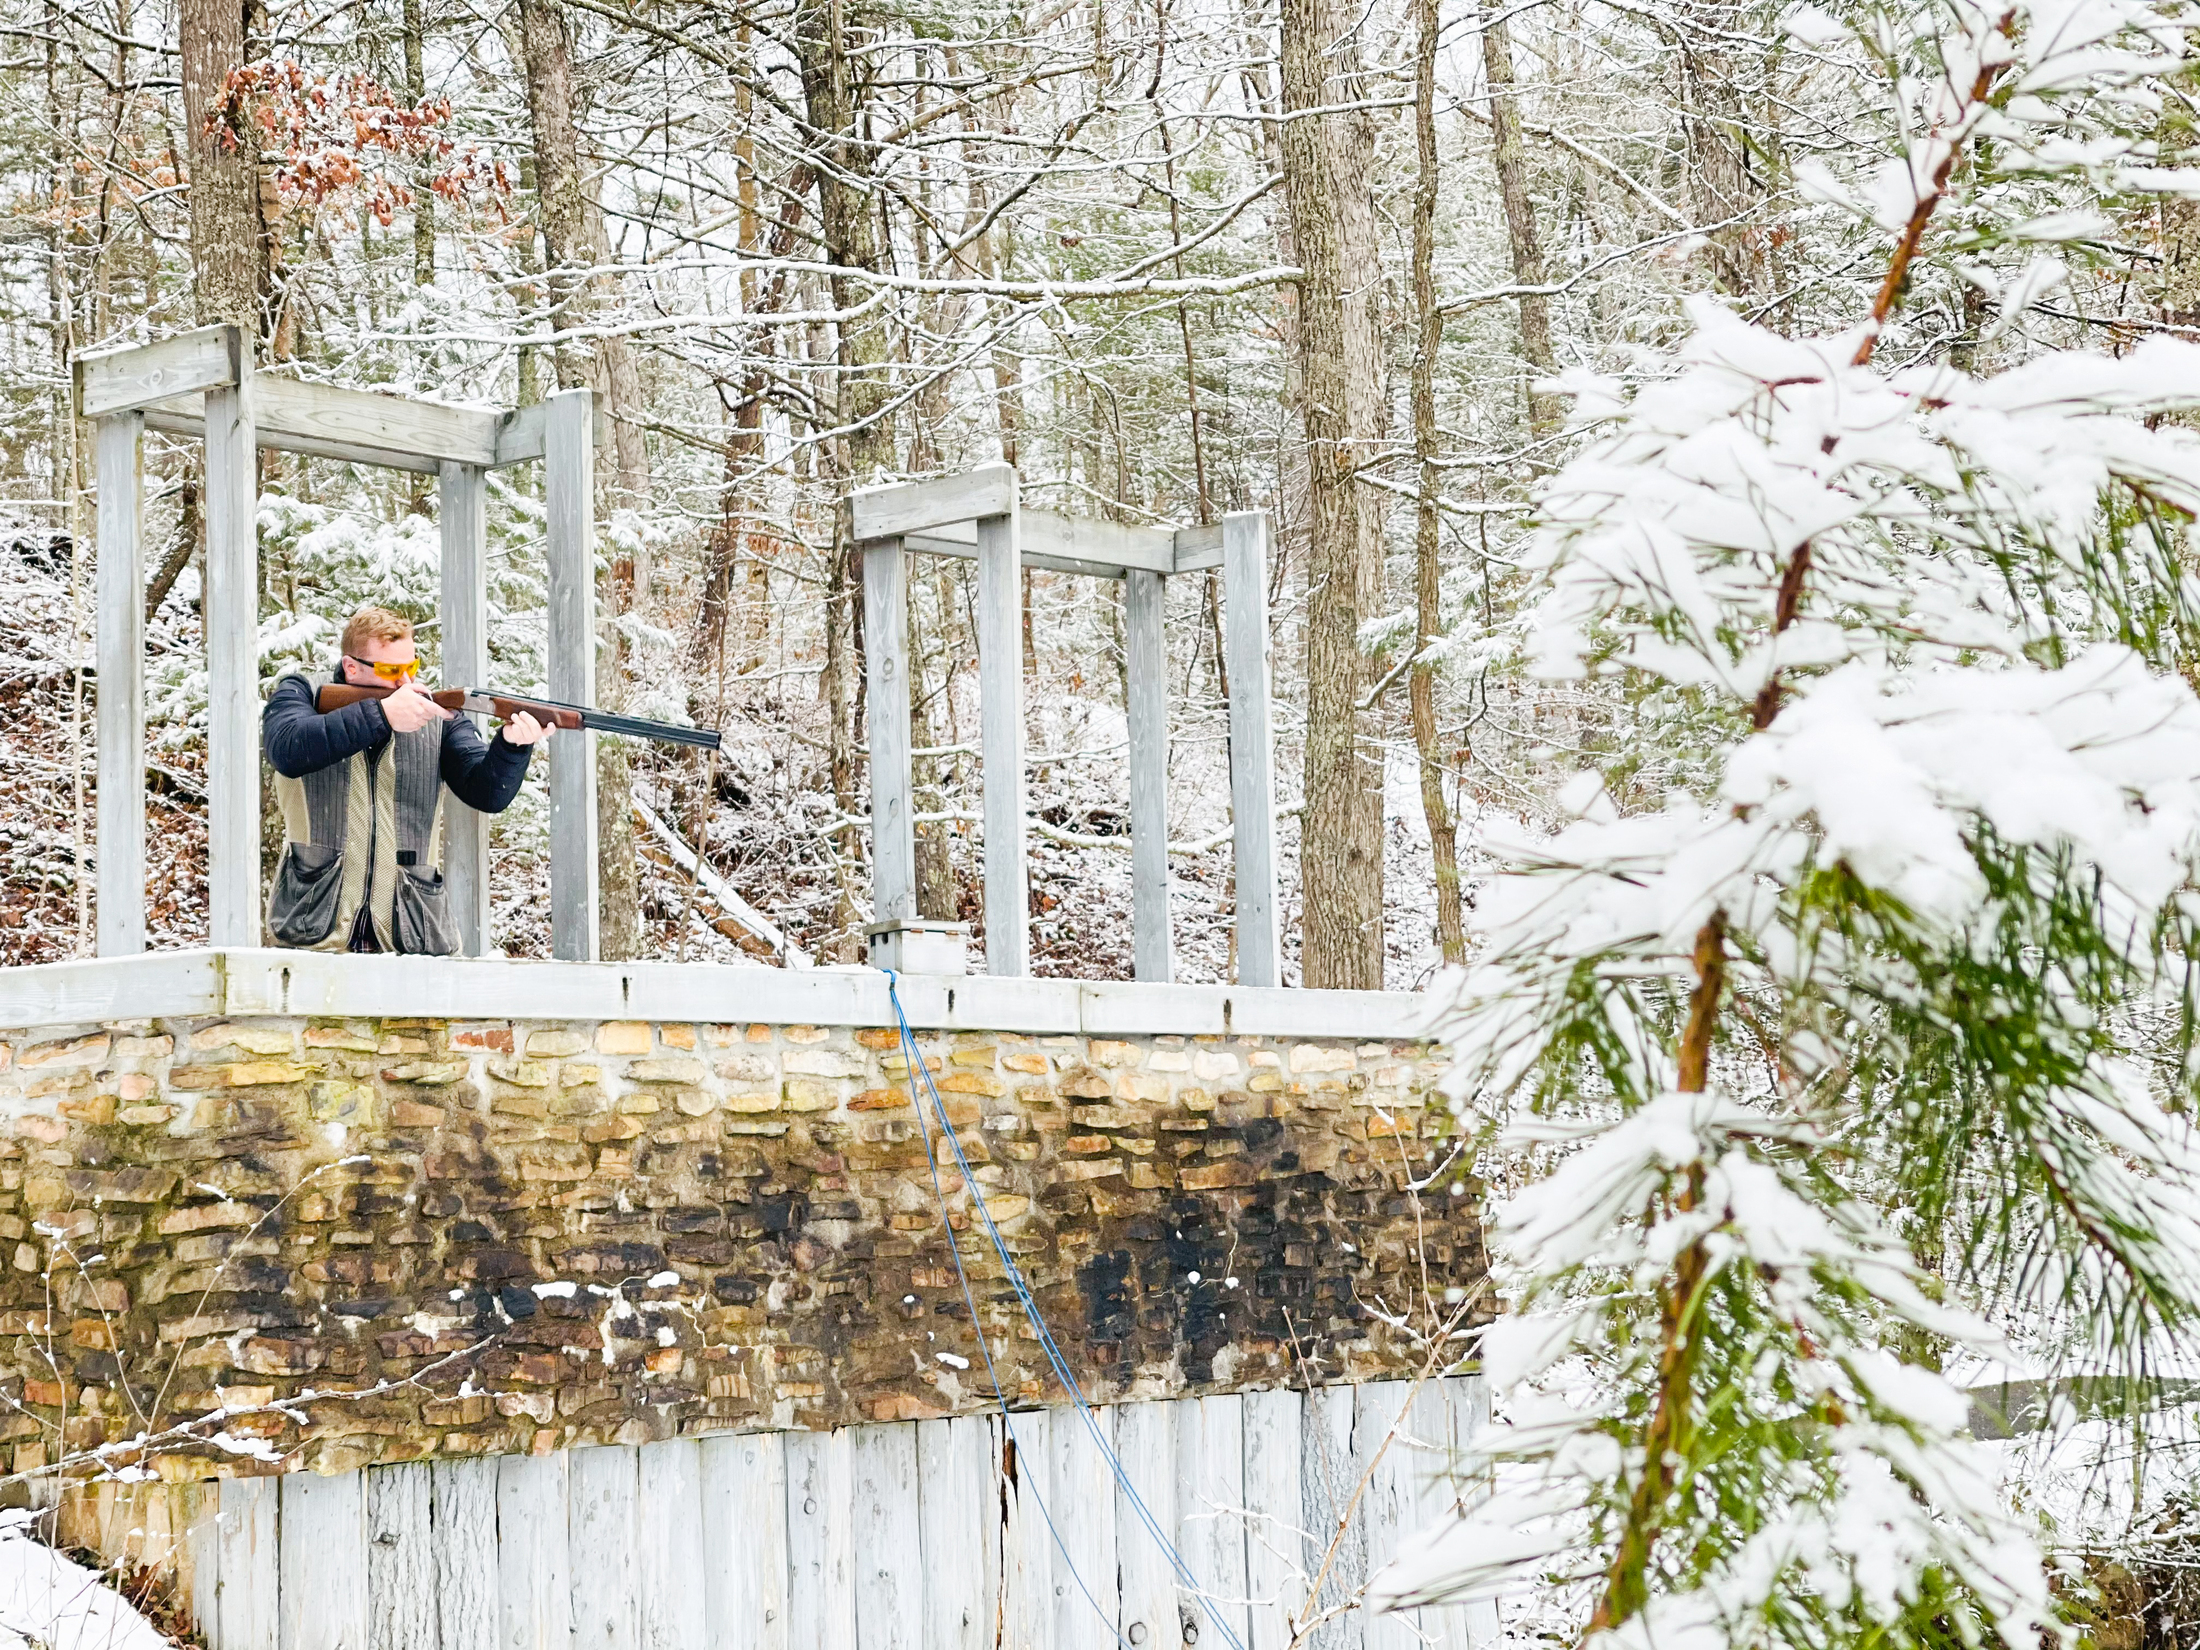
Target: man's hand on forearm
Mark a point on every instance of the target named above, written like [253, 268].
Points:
[523, 730]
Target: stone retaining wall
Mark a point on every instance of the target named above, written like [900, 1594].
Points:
[374, 1240]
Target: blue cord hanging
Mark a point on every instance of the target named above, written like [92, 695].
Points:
[913, 1059]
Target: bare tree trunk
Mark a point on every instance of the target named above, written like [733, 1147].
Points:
[227, 234]
[416, 89]
[1545, 412]
[1712, 123]
[1328, 174]
[572, 240]
[1443, 828]
[833, 101]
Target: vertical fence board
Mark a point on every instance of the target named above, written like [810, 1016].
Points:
[959, 1510]
[1327, 1477]
[1210, 1517]
[534, 1604]
[668, 1546]
[1028, 1558]
[821, 1560]
[401, 1569]
[600, 1519]
[247, 1575]
[887, 1537]
[1087, 1603]
[1275, 1532]
[323, 1542]
[466, 1552]
[1387, 1508]
[1145, 1441]
[746, 1562]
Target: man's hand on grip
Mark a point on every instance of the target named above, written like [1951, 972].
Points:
[409, 710]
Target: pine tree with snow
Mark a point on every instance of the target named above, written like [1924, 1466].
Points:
[1872, 1056]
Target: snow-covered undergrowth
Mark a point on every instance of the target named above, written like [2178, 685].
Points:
[1870, 1055]
[50, 1602]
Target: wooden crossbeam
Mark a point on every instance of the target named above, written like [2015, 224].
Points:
[137, 376]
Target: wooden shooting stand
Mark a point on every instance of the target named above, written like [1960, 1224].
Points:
[203, 383]
[978, 515]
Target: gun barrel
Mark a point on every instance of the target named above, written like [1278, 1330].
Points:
[635, 728]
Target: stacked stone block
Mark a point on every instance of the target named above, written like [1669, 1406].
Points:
[257, 1245]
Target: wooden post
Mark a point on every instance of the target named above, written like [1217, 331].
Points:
[232, 609]
[463, 612]
[886, 664]
[569, 496]
[119, 450]
[1001, 719]
[1146, 674]
[1252, 754]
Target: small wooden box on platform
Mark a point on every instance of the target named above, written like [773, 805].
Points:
[915, 945]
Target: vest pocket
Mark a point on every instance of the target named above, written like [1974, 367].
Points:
[301, 907]
[422, 914]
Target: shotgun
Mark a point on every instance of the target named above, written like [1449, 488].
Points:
[549, 712]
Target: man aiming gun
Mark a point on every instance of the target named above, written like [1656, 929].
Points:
[361, 788]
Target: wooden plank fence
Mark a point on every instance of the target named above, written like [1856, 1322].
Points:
[958, 1534]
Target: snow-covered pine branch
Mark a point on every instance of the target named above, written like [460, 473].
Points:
[1853, 1062]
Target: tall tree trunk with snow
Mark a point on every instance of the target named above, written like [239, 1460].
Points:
[227, 234]
[847, 212]
[1713, 121]
[1510, 157]
[573, 245]
[1328, 172]
[415, 32]
[1443, 828]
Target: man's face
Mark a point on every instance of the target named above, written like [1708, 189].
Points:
[376, 653]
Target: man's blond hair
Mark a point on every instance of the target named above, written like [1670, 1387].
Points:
[375, 624]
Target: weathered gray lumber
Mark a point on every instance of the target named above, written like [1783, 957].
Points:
[237, 1604]
[966, 549]
[519, 433]
[1146, 678]
[354, 426]
[1198, 548]
[137, 375]
[1001, 718]
[402, 1611]
[322, 1597]
[913, 506]
[1277, 1559]
[463, 612]
[1069, 544]
[888, 1535]
[1252, 753]
[232, 609]
[886, 662]
[1211, 1508]
[569, 496]
[118, 449]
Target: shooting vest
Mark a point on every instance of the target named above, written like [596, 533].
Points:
[365, 832]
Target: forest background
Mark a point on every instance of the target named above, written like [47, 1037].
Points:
[1169, 259]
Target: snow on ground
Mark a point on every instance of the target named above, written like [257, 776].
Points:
[47, 1602]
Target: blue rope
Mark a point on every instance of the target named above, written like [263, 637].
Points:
[914, 1059]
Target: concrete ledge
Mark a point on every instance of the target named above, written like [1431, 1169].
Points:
[245, 982]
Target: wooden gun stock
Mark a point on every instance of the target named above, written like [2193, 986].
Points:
[505, 706]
